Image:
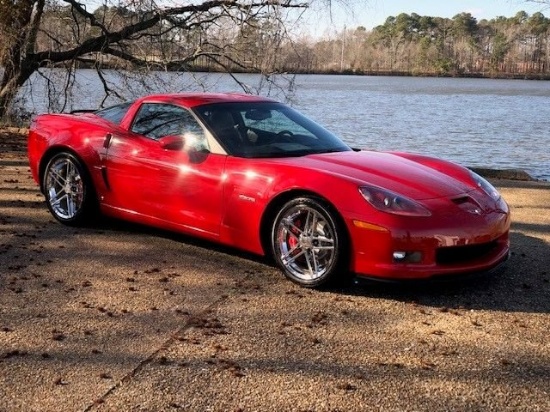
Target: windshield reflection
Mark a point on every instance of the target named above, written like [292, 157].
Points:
[263, 129]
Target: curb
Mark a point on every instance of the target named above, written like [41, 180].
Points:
[508, 174]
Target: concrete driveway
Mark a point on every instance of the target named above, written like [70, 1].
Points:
[125, 318]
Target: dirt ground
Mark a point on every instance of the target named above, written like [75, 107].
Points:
[125, 318]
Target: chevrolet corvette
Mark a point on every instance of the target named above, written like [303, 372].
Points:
[255, 174]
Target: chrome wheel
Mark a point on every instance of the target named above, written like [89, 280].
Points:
[65, 187]
[306, 242]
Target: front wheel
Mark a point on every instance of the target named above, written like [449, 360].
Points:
[69, 194]
[308, 242]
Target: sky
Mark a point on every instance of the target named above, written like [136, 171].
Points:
[371, 13]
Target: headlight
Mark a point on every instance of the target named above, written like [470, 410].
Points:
[485, 186]
[391, 202]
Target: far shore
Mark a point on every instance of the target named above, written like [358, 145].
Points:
[488, 74]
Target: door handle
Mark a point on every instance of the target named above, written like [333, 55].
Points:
[108, 140]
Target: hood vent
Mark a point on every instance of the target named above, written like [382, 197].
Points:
[468, 204]
[461, 200]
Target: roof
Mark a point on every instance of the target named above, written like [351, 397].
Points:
[198, 99]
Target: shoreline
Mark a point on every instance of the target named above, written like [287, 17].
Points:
[505, 174]
[197, 68]
[488, 173]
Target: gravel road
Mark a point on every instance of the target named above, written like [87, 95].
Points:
[126, 318]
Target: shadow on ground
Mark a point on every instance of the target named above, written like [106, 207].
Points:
[522, 284]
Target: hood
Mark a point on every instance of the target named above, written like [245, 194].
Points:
[389, 171]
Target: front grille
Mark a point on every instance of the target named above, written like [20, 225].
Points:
[460, 254]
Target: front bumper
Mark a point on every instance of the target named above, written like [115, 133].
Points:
[437, 278]
[450, 245]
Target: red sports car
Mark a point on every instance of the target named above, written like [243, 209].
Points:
[255, 174]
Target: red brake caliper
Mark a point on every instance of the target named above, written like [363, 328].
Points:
[292, 240]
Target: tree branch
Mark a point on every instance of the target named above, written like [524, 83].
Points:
[99, 43]
[83, 12]
[34, 26]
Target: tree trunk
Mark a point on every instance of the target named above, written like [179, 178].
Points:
[19, 27]
[12, 80]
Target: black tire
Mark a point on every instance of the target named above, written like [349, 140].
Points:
[69, 193]
[309, 243]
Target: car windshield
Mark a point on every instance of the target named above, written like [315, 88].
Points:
[264, 129]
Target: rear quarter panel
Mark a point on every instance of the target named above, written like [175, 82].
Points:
[82, 135]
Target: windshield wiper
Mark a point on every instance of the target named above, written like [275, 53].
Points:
[323, 151]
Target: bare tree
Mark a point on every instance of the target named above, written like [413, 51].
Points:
[38, 34]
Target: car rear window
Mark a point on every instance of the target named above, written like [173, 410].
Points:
[114, 114]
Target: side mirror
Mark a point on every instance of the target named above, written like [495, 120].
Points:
[172, 142]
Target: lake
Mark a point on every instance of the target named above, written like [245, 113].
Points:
[502, 124]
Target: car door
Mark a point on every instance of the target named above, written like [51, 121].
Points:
[162, 169]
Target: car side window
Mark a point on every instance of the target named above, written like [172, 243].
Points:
[114, 114]
[156, 120]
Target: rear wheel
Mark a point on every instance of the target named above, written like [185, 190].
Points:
[68, 190]
[308, 242]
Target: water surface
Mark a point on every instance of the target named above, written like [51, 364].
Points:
[501, 124]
